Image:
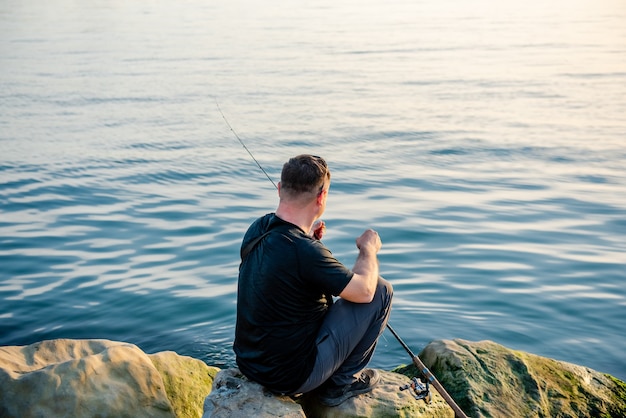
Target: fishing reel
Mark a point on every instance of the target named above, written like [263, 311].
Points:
[418, 389]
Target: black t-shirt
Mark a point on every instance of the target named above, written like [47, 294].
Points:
[281, 302]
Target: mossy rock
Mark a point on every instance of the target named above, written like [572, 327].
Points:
[187, 382]
[489, 380]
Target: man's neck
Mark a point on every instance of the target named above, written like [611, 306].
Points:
[297, 217]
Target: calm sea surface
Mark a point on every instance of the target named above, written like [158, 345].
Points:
[484, 140]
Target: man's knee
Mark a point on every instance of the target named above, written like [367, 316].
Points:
[385, 290]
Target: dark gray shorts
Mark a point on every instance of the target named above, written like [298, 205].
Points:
[347, 338]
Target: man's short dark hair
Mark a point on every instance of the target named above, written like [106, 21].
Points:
[304, 173]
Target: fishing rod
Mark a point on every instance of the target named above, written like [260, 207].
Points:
[421, 393]
[244, 145]
[430, 378]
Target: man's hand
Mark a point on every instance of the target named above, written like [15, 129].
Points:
[369, 238]
[318, 229]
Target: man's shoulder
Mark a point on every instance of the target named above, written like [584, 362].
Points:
[259, 226]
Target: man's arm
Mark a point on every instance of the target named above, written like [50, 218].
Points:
[362, 286]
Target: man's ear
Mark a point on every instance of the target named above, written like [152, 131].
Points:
[321, 195]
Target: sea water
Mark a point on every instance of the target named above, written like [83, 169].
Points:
[483, 140]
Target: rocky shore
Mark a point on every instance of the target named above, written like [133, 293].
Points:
[102, 378]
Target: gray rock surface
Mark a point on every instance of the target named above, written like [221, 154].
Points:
[235, 396]
[386, 400]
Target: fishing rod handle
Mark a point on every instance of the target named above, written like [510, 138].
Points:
[458, 412]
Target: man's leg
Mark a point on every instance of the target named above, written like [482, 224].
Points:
[348, 337]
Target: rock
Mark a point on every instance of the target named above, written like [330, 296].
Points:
[187, 382]
[234, 396]
[386, 400]
[489, 380]
[81, 379]
[87, 378]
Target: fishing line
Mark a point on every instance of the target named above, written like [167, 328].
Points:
[244, 145]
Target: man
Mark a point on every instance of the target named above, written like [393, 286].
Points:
[290, 336]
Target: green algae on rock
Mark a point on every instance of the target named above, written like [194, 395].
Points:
[489, 380]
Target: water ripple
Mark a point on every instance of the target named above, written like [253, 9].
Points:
[497, 189]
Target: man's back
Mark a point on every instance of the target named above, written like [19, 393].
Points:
[281, 302]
